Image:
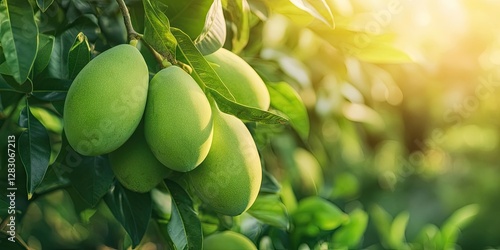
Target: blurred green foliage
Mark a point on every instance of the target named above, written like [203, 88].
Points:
[402, 102]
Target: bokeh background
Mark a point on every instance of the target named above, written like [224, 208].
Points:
[403, 100]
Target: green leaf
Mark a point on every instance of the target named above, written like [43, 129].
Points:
[91, 177]
[44, 4]
[51, 89]
[58, 65]
[213, 35]
[34, 149]
[45, 47]
[187, 15]
[238, 11]
[286, 100]
[382, 221]
[428, 238]
[18, 36]
[457, 221]
[157, 31]
[318, 9]
[269, 183]
[351, 233]
[184, 226]
[79, 55]
[131, 209]
[315, 213]
[246, 113]
[203, 73]
[270, 210]
[397, 231]
[8, 83]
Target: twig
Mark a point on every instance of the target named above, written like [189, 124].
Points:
[132, 34]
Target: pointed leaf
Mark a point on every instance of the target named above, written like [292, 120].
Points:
[269, 183]
[245, 112]
[18, 36]
[6, 80]
[157, 30]
[213, 35]
[270, 210]
[58, 65]
[44, 4]
[184, 226]
[34, 149]
[79, 55]
[205, 75]
[398, 229]
[131, 209]
[285, 99]
[92, 178]
[45, 47]
[457, 221]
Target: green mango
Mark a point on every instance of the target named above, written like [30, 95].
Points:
[228, 240]
[178, 120]
[135, 166]
[229, 179]
[106, 101]
[241, 79]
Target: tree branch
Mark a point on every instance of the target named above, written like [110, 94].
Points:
[132, 34]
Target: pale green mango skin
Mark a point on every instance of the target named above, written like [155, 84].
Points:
[229, 179]
[178, 120]
[106, 101]
[228, 240]
[241, 79]
[135, 166]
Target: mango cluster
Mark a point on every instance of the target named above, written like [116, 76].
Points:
[151, 128]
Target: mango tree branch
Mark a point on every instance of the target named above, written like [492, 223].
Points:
[132, 34]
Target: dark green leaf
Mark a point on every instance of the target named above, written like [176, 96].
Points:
[34, 149]
[184, 226]
[270, 210]
[45, 47]
[187, 15]
[286, 100]
[203, 73]
[44, 4]
[131, 209]
[79, 55]
[8, 83]
[213, 35]
[92, 178]
[157, 31]
[350, 234]
[18, 36]
[269, 183]
[58, 65]
[51, 89]
[246, 113]
[238, 14]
